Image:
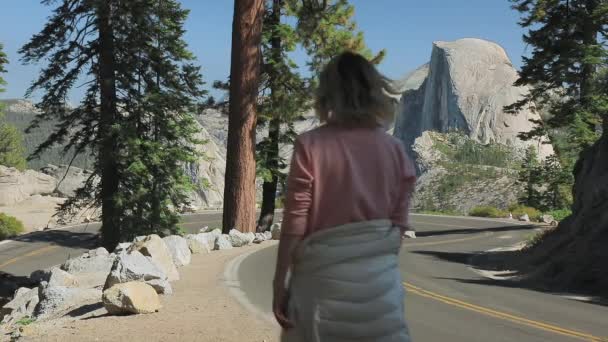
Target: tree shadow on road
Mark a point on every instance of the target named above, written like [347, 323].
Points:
[508, 277]
[63, 238]
[502, 229]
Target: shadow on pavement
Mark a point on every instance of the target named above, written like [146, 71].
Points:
[513, 278]
[428, 233]
[63, 238]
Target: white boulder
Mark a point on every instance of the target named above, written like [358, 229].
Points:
[154, 247]
[525, 218]
[134, 266]
[239, 239]
[59, 277]
[198, 244]
[178, 247]
[98, 260]
[56, 299]
[17, 186]
[548, 219]
[131, 298]
[22, 305]
[222, 242]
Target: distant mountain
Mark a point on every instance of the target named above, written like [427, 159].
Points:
[20, 113]
[464, 88]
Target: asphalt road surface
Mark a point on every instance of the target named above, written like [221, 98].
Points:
[446, 299]
[40, 250]
[449, 301]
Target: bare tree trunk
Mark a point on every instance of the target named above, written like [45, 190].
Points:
[269, 192]
[110, 218]
[239, 191]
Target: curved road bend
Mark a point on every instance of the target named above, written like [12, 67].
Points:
[40, 250]
[448, 301]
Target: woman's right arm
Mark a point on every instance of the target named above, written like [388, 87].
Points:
[407, 184]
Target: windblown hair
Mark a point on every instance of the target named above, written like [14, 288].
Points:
[351, 91]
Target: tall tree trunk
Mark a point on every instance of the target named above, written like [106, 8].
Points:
[239, 191]
[274, 129]
[110, 218]
[269, 192]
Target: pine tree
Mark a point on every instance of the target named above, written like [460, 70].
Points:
[557, 182]
[283, 98]
[133, 118]
[324, 31]
[159, 130]
[11, 146]
[530, 177]
[568, 45]
[239, 190]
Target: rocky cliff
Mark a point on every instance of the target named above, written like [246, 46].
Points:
[459, 173]
[573, 256]
[464, 87]
[20, 113]
[208, 173]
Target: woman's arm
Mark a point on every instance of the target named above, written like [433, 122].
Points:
[295, 220]
[287, 247]
[407, 184]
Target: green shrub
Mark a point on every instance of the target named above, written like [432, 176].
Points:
[9, 226]
[487, 211]
[560, 215]
[520, 210]
[440, 212]
[472, 152]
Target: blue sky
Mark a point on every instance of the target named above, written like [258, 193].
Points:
[406, 28]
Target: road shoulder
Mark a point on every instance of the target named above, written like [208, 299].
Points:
[201, 309]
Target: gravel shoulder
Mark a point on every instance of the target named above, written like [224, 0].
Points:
[201, 309]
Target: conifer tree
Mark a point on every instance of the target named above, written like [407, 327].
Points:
[530, 177]
[134, 116]
[324, 30]
[568, 46]
[11, 146]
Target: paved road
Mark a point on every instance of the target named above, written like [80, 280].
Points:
[448, 301]
[40, 250]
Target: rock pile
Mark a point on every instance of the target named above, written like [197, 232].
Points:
[126, 281]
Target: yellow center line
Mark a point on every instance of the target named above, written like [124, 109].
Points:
[444, 242]
[501, 315]
[32, 253]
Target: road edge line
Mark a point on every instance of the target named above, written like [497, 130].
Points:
[232, 282]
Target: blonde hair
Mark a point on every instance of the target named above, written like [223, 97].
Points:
[351, 91]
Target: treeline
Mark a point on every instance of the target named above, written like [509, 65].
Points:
[135, 122]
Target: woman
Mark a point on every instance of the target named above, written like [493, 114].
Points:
[346, 212]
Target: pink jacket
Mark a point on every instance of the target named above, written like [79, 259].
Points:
[342, 175]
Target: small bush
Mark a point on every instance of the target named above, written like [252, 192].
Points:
[487, 211]
[27, 320]
[520, 210]
[9, 226]
[560, 215]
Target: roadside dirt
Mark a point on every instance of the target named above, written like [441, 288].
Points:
[201, 309]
